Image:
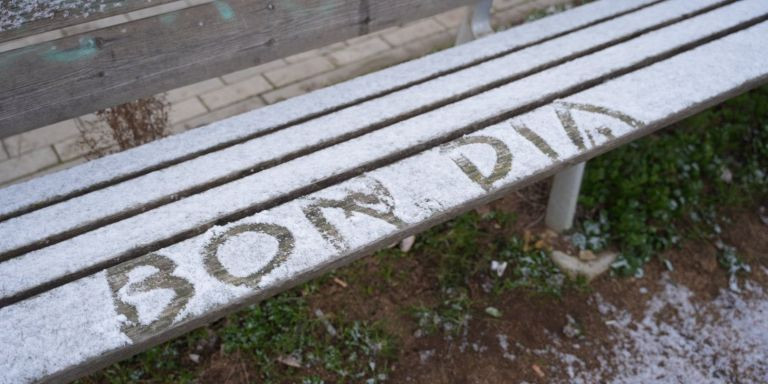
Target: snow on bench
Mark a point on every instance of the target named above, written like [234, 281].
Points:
[275, 183]
[468, 137]
[118, 201]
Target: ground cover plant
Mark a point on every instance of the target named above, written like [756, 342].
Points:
[654, 193]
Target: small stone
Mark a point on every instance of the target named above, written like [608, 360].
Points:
[194, 357]
[573, 267]
[290, 361]
[407, 243]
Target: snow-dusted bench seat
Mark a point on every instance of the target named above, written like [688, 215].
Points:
[109, 258]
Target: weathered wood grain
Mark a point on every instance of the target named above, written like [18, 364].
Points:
[185, 218]
[73, 17]
[79, 74]
[90, 320]
[93, 175]
[78, 215]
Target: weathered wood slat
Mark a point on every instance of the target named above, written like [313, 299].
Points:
[74, 16]
[173, 222]
[96, 320]
[95, 174]
[75, 75]
[71, 217]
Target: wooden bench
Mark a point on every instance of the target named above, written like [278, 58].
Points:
[106, 259]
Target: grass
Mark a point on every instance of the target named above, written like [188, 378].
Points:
[464, 251]
[272, 336]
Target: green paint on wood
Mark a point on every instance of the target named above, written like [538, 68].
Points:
[9, 58]
[169, 18]
[87, 48]
[225, 11]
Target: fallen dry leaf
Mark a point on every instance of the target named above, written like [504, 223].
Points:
[340, 282]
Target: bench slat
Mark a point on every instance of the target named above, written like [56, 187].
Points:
[75, 328]
[39, 192]
[69, 218]
[173, 222]
[75, 75]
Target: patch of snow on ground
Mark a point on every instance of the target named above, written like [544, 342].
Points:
[504, 345]
[678, 341]
[15, 13]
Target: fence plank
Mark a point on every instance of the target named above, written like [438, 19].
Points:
[66, 16]
[76, 75]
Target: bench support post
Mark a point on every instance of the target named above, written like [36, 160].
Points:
[561, 207]
[477, 23]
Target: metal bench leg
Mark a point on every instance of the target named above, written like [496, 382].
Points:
[477, 24]
[561, 208]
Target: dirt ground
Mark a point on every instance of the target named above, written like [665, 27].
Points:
[678, 326]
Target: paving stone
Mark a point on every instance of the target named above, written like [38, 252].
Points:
[220, 114]
[3, 154]
[247, 73]
[41, 137]
[193, 90]
[413, 31]
[74, 148]
[27, 164]
[372, 35]
[346, 72]
[359, 51]
[315, 52]
[298, 71]
[70, 149]
[433, 43]
[452, 19]
[186, 110]
[235, 92]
